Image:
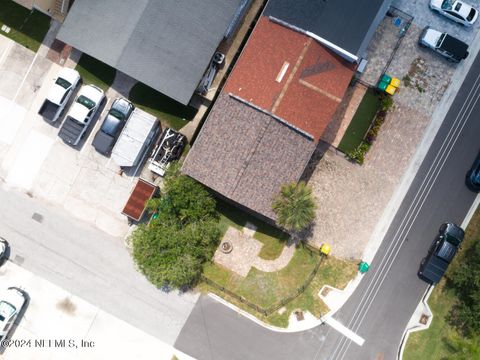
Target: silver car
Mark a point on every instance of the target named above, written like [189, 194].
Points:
[455, 10]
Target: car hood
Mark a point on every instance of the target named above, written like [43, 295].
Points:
[436, 3]
[92, 92]
[56, 92]
[14, 297]
[122, 105]
[432, 36]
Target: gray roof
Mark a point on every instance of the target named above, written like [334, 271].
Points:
[349, 24]
[247, 155]
[166, 44]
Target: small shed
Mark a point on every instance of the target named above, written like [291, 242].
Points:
[135, 206]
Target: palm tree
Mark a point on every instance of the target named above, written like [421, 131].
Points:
[294, 206]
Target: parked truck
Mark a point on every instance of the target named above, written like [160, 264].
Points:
[441, 254]
[81, 113]
[58, 96]
[137, 136]
[451, 48]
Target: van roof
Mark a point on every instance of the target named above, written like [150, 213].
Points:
[131, 140]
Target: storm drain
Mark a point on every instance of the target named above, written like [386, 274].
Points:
[37, 217]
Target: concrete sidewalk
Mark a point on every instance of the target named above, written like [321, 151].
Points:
[55, 314]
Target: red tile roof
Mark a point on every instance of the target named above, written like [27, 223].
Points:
[313, 83]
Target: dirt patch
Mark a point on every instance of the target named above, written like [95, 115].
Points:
[67, 306]
[417, 75]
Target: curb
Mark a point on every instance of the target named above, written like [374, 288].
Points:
[258, 321]
[429, 135]
[425, 298]
[417, 326]
[310, 325]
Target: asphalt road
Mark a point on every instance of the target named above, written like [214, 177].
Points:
[88, 263]
[382, 305]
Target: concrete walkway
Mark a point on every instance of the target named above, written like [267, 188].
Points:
[278, 263]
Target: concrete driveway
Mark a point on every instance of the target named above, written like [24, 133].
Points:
[34, 160]
[423, 16]
[53, 315]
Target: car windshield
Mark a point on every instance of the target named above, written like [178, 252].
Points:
[6, 310]
[440, 40]
[63, 83]
[447, 4]
[117, 114]
[110, 125]
[471, 15]
[85, 102]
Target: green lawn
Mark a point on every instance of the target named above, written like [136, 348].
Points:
[95, 72]
[267, 289]
[273, 239]
[361, 121]
[262, 288]
[430, 344]
[28, 28]
[170, 112]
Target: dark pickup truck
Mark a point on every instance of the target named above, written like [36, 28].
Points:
[441, 254]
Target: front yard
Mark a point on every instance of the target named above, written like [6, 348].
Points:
[273, 239]
[28, 28]
[268, 289]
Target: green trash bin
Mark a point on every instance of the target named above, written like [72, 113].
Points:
[363, 267]
[382, 86]
[386, 78]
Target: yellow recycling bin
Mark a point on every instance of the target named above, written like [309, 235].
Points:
[325, 249]
[390, 89]
[395, 82]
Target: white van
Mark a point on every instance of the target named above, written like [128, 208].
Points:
[138, 134]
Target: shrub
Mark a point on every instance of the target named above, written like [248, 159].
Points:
[172, 249]
[358, 155]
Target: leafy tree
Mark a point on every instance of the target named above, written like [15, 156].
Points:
[294, 206]
[172, 248]
[465, 279]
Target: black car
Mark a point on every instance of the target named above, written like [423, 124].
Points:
[441, 253]
[112, 126]
[472, 179]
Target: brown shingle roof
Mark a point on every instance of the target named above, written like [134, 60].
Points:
[246, 155]
[311, 87]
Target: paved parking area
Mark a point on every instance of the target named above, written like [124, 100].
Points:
[423, 16]
[34, 160]
[55, 314]
[353, 197]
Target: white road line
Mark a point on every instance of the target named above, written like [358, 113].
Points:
[25, 77]
[6, 52]
[436, 169]
[344, 330]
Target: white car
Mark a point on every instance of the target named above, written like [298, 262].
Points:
[11, 303]
[81, 113]
[455, 10]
